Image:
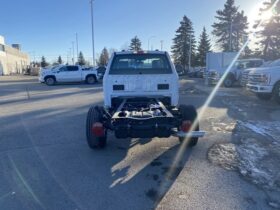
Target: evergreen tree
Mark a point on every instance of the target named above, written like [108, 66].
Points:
[248, 53]
[269, 33]
[204, 47]
[81, 59]
[135, 44]
[59, 60]
[104, 57]
[44, 62]
[183, 43]
[230, 27]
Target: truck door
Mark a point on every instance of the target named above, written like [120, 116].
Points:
[69, 74]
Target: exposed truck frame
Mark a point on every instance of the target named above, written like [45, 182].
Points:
[153, 113]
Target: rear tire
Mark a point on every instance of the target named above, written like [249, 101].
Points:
[91, 79]
[264, 96]
[276, 92]
[94, 115]
[189, 113]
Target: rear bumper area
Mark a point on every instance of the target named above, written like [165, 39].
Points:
[149, 128]
[259, 88]
[195, 134]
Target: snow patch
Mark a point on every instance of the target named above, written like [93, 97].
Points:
[224, 155]
[255, 152]
[250, 159]
[251, 155]
[223, 127]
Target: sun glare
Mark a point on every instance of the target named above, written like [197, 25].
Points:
[266, 15]
[256, 15]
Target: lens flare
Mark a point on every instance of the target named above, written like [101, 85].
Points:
[182, 148]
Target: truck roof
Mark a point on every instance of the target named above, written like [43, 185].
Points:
[251, 59]
[140, 52]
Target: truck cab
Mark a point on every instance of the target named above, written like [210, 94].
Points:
[138, 74]
[265, 81]
[68, 73]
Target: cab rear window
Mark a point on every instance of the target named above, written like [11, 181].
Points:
[140, 64]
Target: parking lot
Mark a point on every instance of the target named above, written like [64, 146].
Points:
[45, 162]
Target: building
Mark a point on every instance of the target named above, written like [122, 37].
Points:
[12, 59]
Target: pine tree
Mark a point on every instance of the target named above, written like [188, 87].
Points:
[230, 27]
[135, 44]
[269, 34]
[81, 59]
[59, 60]
[44, 62]
[104, 57]
[183, 43]
[204, 47]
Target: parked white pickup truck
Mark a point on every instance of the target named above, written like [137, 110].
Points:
[235, 73]
[265, 82]
[67, 73]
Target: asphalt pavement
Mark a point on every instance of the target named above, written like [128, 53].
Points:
[45, 162]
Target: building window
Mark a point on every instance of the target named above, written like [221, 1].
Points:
[2, 48]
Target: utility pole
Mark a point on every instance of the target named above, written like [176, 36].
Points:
[92, 32]
[190, 52]
[73, 48]
[230, 37]
[69, 54]
[161, 45]
[67, 57]
[149, 42]
[77, 46]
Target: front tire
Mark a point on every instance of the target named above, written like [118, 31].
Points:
[189, 113]
[50, 81]
[94, 115]
[228, 81]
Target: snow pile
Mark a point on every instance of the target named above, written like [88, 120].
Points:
[267, 129]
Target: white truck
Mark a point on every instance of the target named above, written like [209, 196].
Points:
[141, 94]
[217, 64]
[67, 73]
[265, 82]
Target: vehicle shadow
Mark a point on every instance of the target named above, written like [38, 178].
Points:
[155, 178]
[14, 88]
[28, 95]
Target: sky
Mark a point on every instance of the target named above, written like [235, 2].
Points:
[48, 27]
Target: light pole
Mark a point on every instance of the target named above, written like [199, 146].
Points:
[230, 37]
[73, 48]
[77, 46]
[69, 53]
[149, 42]
[190, 52]
[92, 31]
[161, 45]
